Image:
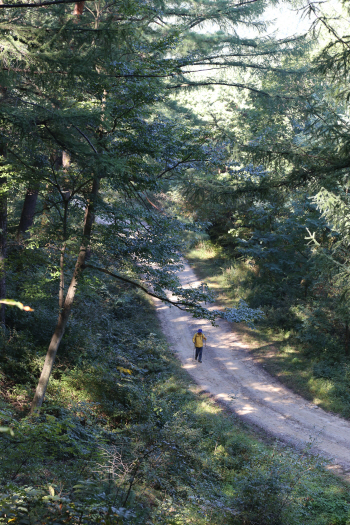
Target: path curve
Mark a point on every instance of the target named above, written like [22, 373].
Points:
[229, 373]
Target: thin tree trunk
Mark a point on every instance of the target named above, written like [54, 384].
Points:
[65, 194]
[3, 238]
[347, 338]
[61, 290]
[66, 310]
[28, 211]
[3, 247]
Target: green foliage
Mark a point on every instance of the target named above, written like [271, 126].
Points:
[82, 505]
[86, 98]
[122, 438]
[243, 314]
[278, 208]
[308, 356]
[142, 447]
[48, 438]
[267, 488]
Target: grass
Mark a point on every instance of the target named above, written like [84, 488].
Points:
[274, 349]
[147, 447]
[210, 263]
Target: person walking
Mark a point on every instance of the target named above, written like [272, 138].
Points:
[198, 343]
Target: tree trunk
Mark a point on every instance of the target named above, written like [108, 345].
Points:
[28, 211]
[65, 194]
[79, 8]
[3, 238]
[65, 312]
[61, 290]
[3, 246]
[347, 338]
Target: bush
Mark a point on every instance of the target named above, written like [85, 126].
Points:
[268, 490]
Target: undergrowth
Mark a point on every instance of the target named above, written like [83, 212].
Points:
[124, 437]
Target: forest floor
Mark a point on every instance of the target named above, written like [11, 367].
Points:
[231, 375]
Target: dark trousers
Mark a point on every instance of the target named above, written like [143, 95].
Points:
[199, 351]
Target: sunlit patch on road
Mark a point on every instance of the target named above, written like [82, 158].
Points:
[231, 377]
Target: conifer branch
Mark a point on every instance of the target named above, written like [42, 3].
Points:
[41, 4]
[183, 161]
[218, 12]
[228, 84]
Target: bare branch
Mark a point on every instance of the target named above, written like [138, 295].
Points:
[143, 288]
[85, 137]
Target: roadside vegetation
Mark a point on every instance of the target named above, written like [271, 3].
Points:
[318, 372]
[124, 437]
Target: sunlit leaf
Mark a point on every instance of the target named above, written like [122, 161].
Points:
[7, 430]
[124, 370]
[11, 302]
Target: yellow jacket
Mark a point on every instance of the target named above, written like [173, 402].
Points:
[198, 339]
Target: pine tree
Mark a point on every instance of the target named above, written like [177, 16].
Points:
[91, 83]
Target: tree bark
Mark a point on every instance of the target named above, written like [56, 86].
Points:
[61, 290]
[28, 211]
[66, 310]
[65, 194]
[347, 338]
[79, 8]
[3, 246]
[3, 238]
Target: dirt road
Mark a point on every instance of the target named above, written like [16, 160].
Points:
[230, 375]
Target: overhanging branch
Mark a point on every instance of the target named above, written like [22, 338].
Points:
[228, 84]
[41, 4]
[137, 285]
